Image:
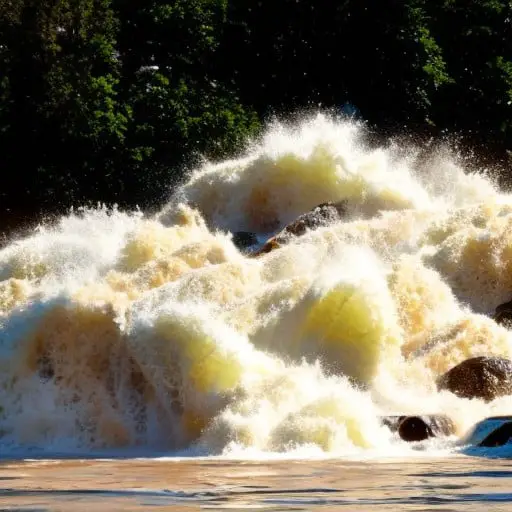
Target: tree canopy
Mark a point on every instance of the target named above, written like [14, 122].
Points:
[110, 100]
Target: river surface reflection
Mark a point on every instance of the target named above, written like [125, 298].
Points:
[447, 484]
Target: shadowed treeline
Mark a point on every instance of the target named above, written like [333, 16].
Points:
[112, 100]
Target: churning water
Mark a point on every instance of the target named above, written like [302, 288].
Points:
[122, 331]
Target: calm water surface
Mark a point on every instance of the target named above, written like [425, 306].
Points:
[443, 484]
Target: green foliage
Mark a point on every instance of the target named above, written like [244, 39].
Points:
[111, 97]
[61, 109]
[172, 123]
[110, 100]
[477, 44]
[178, 109]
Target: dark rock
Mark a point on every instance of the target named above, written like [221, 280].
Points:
[419, 428]
[244, 239]
[45, 367]
[498, 437]
[479, 377]
[322, 215]
[392, 422]
[503, 313]
[489, 432]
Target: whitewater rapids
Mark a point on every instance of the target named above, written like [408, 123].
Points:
[122, 330]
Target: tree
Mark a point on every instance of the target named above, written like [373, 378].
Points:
[107, 100]
[60, 114]
[477, 43]
[379, 55]
[180, 110]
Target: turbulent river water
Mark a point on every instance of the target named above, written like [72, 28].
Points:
[124, 331]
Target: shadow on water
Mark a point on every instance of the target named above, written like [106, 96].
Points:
[469, 474]
[248, 498]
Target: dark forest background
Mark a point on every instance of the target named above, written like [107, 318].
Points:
[111, 100]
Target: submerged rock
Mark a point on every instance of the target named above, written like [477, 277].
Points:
[479, 377]
[322, 215]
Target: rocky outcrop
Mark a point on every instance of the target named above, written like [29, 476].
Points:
[322, 215]
[479, 377]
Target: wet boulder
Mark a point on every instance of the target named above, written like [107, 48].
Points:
[479, 377]
[419, 428]
[499, 437]
[490, 432]
[503, 314]
[244, 240]
[322, 215]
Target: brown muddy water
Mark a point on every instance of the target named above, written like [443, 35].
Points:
[443, 484]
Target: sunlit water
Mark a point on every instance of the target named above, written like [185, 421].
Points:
[123, 331]
[447, 484]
